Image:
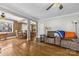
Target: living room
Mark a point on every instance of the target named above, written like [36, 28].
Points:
[34, 29]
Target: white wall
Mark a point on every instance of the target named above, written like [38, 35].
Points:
[40, 28]
[64, 22]
[60, 24]
[24, 27]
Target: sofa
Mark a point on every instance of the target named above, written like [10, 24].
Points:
[74, 45]
[62, 42]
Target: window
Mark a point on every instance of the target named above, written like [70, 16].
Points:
[6, 26]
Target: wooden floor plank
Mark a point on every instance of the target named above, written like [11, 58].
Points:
[21, 47]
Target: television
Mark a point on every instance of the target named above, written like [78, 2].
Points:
[6, 26]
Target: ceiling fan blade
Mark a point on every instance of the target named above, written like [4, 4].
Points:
[61, 6]
[50, 6]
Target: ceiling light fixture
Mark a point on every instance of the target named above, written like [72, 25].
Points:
[2, 16]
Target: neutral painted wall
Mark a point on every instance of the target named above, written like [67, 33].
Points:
[64, 22]
[40, 28]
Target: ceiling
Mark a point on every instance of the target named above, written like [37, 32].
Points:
[11, 16]
[37, 11]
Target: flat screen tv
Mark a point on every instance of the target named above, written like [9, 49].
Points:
[6, 26]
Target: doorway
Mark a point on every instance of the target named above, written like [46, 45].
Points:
[33, 30]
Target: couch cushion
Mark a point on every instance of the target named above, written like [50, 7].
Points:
[50, 34]
[70, 35]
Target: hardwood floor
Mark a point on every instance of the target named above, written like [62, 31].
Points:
[21, 47]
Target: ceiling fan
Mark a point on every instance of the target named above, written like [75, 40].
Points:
[59, 5]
